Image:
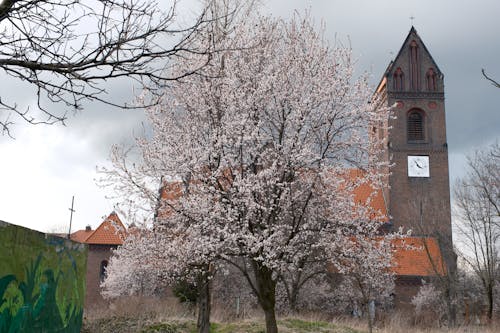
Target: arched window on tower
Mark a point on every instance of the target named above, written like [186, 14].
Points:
[415, 125]
[414, 66]
[398, 80]
[431, 80]
[102, 270]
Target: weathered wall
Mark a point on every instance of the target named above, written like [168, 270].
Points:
[97, 254]
[42, 282]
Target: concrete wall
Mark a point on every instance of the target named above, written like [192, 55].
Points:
[42, 282]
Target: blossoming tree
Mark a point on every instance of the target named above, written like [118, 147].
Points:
[259, 144]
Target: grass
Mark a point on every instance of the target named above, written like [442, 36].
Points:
[136, 315]
[174, 327]
[285, 325]
[238, 327]
[288, 325]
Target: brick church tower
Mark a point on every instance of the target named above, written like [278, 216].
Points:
[418, 197]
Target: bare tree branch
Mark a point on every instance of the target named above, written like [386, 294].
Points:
[478, 211]
[493, 82]
[68, 50]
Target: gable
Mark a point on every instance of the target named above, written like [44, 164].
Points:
[412, 66]
[413, 35]
[110, 232]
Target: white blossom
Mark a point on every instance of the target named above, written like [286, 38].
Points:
[256, 156]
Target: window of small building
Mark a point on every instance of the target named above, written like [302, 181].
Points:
[416, 126]
[102, 270]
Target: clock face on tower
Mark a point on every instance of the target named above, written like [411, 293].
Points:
[418, 166]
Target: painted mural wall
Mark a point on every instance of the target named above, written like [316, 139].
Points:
[42, 282]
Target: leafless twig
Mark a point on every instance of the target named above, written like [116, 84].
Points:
[68, 49]
[493, 82]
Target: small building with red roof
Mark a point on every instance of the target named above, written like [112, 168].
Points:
[101, 242]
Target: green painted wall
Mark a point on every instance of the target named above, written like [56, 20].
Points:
[42, 282]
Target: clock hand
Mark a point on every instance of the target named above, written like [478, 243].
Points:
[418, 165]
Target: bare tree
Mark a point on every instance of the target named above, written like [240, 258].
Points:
[478, 215]
[68, 49]
[444, 276]
[298, 275]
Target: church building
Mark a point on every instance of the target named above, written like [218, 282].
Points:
[417, 194]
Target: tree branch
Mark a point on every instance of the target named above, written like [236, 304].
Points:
[493, 82]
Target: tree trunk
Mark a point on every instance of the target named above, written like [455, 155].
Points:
[370, 314]
[450, 294]
[450, 281]
[266, 289]
[271, 325]
[293, 300]
[204, 306]
[490, 303]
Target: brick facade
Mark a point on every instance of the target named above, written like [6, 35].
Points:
[413, 84]
[101, 243]
[97, 255]
[418, 203]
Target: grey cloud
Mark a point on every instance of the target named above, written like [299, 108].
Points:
[461, 36]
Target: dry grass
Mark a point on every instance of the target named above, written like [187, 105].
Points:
[141, 314]
[149, 308]
[401, 323]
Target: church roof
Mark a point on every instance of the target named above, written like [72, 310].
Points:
[414, 256]
[364, 193]
[418, 256]
[110, 232]
[367, 194]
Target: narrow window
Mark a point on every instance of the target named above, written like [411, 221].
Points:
[415, 126]
[414, 66]
[431, 80]
[102, 270]
[398, 81]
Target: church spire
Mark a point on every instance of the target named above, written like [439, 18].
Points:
[414, 70]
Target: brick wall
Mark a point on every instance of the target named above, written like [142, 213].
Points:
[96, 255]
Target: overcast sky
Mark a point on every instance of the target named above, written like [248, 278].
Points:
[46, 165]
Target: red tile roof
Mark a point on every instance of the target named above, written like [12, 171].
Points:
[171, 190]
[418, 256]
[81, 235]
[414, 256]
[110, 232]
[366, 194]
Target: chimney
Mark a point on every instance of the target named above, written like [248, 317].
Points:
[88, 228]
